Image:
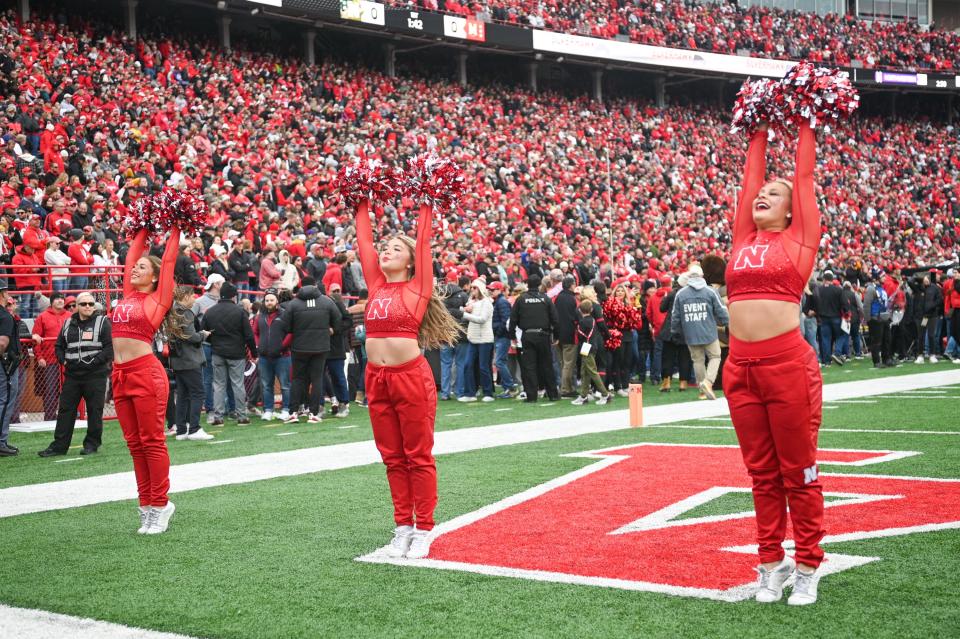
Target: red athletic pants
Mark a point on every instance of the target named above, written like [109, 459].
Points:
[140, 390]
[403, 408]
[773, 388]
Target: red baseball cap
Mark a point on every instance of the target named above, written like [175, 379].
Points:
[495, 286]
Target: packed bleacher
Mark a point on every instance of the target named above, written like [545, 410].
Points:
[94, 118]
[724, 27]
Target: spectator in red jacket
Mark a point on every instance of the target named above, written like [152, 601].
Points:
[656, 318]
[951, 303]
[80, 261]
[334, 274]
[46, 329]
[28, 275]
[34, 236]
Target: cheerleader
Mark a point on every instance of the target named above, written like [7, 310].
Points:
[771, 378]
[140, 385]
[404, 315]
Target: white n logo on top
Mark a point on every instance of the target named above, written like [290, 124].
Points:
[751, 257]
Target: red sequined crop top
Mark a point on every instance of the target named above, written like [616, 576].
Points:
[139, 315]
[775, 265]
[396, 309]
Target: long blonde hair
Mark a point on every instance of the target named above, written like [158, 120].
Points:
[173, 321]
[438, 327]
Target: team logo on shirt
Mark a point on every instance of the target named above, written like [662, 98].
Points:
[751, 257]
[379, 309]
[122, 312]
[637, 517]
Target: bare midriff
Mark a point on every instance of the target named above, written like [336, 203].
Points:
[756, 320]
[391, 351]
[127, 348]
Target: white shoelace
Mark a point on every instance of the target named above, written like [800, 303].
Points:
[803, 583]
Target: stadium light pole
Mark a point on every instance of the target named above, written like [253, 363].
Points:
[610, 211]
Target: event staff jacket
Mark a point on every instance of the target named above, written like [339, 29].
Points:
[85, 347]
[310, 318]
[533, 311]
[696, 312]
[230, 333]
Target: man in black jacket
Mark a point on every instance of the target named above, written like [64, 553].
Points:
[310, 318]
[239, 264]
[536, 317]
[454, 358]
[930, 324]
[185, 270]
[231, 337]
[830, 307]
[567, 318]
[85, 349]
[316, 266]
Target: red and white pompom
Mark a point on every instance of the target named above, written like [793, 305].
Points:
[162, 211]
[758, 102]
[817, 95]
[369, 180]
[436, 180]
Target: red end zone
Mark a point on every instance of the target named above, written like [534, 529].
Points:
[617, 522]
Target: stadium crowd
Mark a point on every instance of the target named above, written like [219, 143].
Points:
[724, 27]
[93, 120]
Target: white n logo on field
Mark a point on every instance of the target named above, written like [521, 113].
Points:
[751, 257]
[379, 309]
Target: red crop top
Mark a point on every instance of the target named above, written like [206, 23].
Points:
[139, 315]
[775, 265]
[396, 309]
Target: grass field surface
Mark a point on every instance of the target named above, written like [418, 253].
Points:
[276, 558]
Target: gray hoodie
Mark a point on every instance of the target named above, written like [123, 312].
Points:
[697, 311]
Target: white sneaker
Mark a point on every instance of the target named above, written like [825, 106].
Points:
[919, 359]
[580, 401]
[804, 589]
[419, 544]
[314, 419]
[933, 359]
[400, 543]
[292, 419]
[597, 394]
[145, 518]
[466, 400]
[771, 582]
[344, 411]
[522, 396]
[161, 519]
[182, 437]
[199, 436]
[284, 415]
[707, 389]
[170, 432]
[603, 401]
[267, 416]
[487, 398]
[623, 393]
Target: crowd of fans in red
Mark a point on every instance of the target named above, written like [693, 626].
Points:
[94, 119]
[724, 27]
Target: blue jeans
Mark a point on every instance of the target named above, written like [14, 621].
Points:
[208, 384]
[501, 348]
[28, 305]
[339, 378]
[9, 390]
[656, 362]
[61, 285]
[830, 338]
[932, 341]
[446, 370]
[272, 368]
[78, 284]
[808, 326]
[485, 353]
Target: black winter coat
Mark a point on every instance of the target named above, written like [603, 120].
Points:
[339, 341]
[568, 317]
[310, 318]
[231, 335]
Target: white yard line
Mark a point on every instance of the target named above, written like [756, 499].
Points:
[39, 624]
[73, 493]
[822, 430]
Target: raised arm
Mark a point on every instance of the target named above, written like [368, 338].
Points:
[134, 253]
[754, 173]
[368, 253]
[424, 257]
[160, 301]
[803, 234]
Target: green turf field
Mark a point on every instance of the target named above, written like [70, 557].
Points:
[276, 558]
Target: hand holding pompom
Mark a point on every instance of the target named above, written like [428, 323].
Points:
[436, 180]
[165, 210]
